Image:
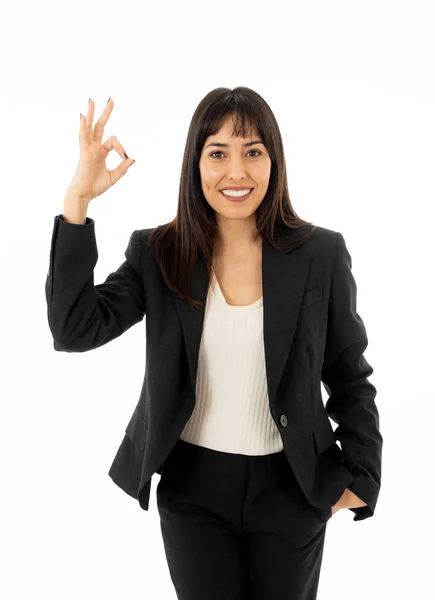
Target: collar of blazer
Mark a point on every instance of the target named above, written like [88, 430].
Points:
[285, 277]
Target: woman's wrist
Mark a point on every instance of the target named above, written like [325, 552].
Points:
[349, 500]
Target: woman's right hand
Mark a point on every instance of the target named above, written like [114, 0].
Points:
[92, 178]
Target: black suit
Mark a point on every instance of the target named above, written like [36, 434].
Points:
[312, 334]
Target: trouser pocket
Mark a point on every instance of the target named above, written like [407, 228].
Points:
[325, 514]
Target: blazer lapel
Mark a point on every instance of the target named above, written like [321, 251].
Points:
[284, 280]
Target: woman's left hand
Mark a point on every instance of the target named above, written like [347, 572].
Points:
[348, 500]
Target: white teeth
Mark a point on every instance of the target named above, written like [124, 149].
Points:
[234, 193]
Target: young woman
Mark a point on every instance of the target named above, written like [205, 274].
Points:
[249, 308]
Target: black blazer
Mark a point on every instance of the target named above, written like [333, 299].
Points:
[312, 334]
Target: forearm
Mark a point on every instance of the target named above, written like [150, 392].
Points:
[75, 210]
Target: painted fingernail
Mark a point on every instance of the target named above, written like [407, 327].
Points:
[125, 155]
[108, 101]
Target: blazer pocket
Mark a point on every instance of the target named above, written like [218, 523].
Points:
[137, 428]
[323, 437]
[131, 423]
[311, 296]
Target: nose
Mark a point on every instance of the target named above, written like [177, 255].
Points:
[236, 169]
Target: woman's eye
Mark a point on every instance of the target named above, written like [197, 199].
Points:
[220, 152]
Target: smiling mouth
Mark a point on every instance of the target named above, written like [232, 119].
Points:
[236, 198]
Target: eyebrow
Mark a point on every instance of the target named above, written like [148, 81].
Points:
[220, 145]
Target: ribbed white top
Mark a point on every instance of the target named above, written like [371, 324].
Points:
[232, 411]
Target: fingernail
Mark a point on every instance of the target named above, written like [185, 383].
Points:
[125, 155]
[108, 101]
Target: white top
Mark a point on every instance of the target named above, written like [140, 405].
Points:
[232, 411]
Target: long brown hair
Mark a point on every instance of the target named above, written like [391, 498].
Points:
[177, 243]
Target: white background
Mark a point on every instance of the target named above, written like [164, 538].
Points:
[352, 87]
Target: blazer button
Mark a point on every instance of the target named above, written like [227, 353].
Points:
[283, 420]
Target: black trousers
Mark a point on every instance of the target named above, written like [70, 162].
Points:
[238, 527]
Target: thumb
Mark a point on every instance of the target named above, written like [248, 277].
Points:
[121, 170]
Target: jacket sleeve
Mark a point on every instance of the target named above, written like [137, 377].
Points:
[345, 372]
[83, 316]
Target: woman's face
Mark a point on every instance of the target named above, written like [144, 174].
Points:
[227, 161]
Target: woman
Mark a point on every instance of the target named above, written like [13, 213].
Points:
[249, 308]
